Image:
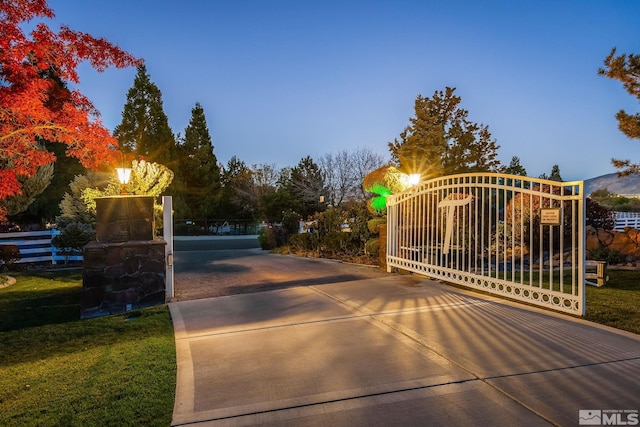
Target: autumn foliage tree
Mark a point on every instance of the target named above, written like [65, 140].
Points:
[35, 101]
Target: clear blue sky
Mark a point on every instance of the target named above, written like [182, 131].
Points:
[280, 80]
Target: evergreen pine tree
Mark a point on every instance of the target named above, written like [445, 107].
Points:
[515, 167]
[440, 140]
[199, 167]
[626, 69]
[307, 185]
[555, 174]
[46, 205]
[31, 188]
[144, 129]
[238, 199]
[145, 132]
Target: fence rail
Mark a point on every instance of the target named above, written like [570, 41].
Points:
[514, 236]
[36, 246]
[195, 226]
[627, 219]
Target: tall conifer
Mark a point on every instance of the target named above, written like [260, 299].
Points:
[626, 69]
[144, 129]
[199, 167]
[145, 133]
[441, 140]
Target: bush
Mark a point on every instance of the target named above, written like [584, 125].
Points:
[8, 255]
[267, 238]
[599, 216]
[330, 236]
[290, 221]
[333, 240]
[303, 242]
[8, 227]
[338, 243]
[606, 254]
[73, 237]
[183, 229]
[374, 224]
[372, 247]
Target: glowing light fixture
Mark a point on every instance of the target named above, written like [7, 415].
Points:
[124, 175]
[413, 179]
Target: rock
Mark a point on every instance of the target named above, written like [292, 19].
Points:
[626, 242]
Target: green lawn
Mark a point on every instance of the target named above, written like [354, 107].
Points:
[617, 303]
[56, 369]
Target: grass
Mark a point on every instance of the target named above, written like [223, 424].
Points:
[56, 369]
[617, 303]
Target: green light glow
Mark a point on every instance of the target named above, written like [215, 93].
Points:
[379, 203]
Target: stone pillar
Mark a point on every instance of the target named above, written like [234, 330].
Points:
[124, 218]
[125, 268]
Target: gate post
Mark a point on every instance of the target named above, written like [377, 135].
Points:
[167, 231]
[382, 248]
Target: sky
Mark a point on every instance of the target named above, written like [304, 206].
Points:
[283, 79]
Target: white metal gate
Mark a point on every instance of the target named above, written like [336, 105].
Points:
[515, 236]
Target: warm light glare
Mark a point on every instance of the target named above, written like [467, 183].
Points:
[124, 174]
[414, 179]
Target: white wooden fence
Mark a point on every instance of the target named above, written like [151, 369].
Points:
[35, 246]
[627, 219]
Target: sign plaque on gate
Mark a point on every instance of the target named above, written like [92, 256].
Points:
[550, 216]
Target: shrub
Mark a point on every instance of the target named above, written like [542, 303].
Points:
[374, 224]
[8, 227]
[598, 216]
[183, 229]
[267, 238]
[8, 255]
[329, 237]
[303, 242]
[359, 217]
[73, 237]
[606, 254]
[290, 221]
[337, 243]
[372, 247]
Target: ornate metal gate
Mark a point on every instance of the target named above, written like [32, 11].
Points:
[514, 236]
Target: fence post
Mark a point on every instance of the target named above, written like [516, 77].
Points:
[54, 250]
[167, 231]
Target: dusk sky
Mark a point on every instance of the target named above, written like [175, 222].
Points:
[280, 80]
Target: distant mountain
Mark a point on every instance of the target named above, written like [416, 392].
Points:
[625, 185]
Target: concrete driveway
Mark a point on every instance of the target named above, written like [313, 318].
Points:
[340, 345]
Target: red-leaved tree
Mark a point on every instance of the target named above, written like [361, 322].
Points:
[35, 103]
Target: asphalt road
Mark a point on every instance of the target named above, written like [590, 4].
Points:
[214, 243]
[219, 266]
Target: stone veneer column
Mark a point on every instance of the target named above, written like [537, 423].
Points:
[125, 268]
